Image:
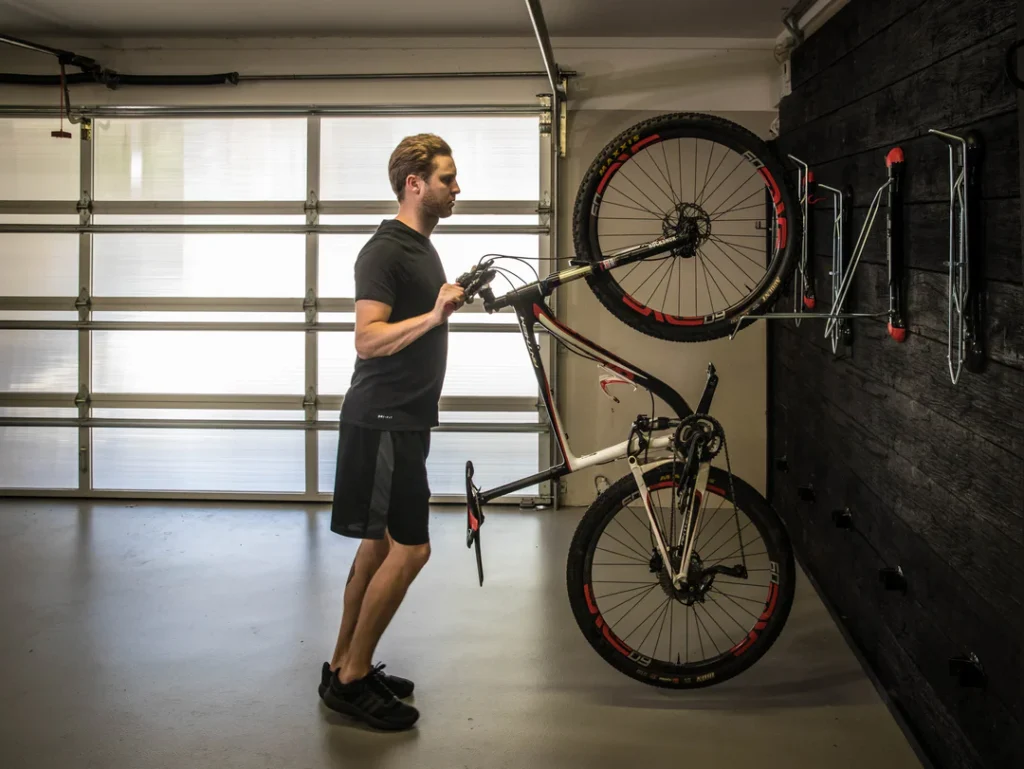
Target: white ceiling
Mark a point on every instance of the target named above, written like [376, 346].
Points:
[565, 18]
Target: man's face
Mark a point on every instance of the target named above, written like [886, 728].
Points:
[440, 190]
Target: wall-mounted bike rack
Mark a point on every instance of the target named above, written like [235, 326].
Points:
[803, 293]
[964, 310]
[841, 329]
[842, 275]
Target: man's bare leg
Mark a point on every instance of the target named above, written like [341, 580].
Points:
[386, 590]
[369, 557]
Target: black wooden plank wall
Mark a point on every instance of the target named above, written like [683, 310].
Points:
[932, 472]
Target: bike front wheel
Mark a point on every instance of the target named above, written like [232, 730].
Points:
[632, 615]
[711, 181]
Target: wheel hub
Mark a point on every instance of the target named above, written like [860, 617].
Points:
[697, 582]
[692, 222]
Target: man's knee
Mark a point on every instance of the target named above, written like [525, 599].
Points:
[413, 557]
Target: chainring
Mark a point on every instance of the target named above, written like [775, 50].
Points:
[713, 432]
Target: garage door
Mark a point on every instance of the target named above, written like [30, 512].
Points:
[176, 315]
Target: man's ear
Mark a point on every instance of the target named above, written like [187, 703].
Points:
[412, 184]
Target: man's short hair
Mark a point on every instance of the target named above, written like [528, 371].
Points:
[415, 155]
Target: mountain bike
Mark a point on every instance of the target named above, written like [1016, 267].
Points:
[676, 530]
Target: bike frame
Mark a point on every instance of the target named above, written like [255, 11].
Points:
[532, 310]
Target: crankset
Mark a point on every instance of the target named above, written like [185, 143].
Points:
[474, 519]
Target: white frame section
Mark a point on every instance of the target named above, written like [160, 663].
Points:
[310, 402]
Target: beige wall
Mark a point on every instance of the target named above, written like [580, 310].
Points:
[620, 82]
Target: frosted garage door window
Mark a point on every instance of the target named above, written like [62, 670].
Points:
[38, 264]
[38, 361]
[201, 159]
[497, 158]
[185, 459]
[235, 362]
[199, 265]
[498, 458]
[38, 457]
[458, 252]
[35, 165]
[479, 363]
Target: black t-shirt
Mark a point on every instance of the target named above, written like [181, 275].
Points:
[399, 267]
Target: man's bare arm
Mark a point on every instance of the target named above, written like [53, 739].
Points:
[376, 337]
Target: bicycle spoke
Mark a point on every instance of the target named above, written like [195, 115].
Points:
[695, 168]
[712, 537]
[605, 201]
[707, 168]
[687, 637]
[702, 199]
[737, 597]
[668, 285]
[675, 199]
[706, 522]
[679, 286]
[696, 617]
[727, 614]
[616, 519]
[738, 189]
[711, 299]
[672, 197]
[717, 241]
[710, 636]
[726, 277]
[628, 547]
[621, 555]
[738, 246]
[739, 606]
[639, 599]
[738, 164]
[619, 592]
[644, 622]
[721, 217]
[660, 281]
[745, 274]
[748, 197]
[624, 176]
[671, 623]
[643, 522]
[725, 543]
[651, 275]
[644, 219]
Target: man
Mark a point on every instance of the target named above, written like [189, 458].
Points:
[381, 491]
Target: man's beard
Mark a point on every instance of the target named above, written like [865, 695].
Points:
[437, 205]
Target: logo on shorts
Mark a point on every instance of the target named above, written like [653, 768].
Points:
[384, 416]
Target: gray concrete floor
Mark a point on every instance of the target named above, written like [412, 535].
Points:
[186, 635]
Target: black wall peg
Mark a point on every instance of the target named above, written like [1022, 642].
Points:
[843, 519]
[782, 464]
[968, 671]
[806, 493]
[893, 578]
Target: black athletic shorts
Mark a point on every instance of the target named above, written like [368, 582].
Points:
[381, 483]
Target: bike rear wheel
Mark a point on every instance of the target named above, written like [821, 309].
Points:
[630, 614]
[704, 177]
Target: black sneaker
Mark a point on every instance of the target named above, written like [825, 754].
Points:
[401, 687]
[369, 699]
